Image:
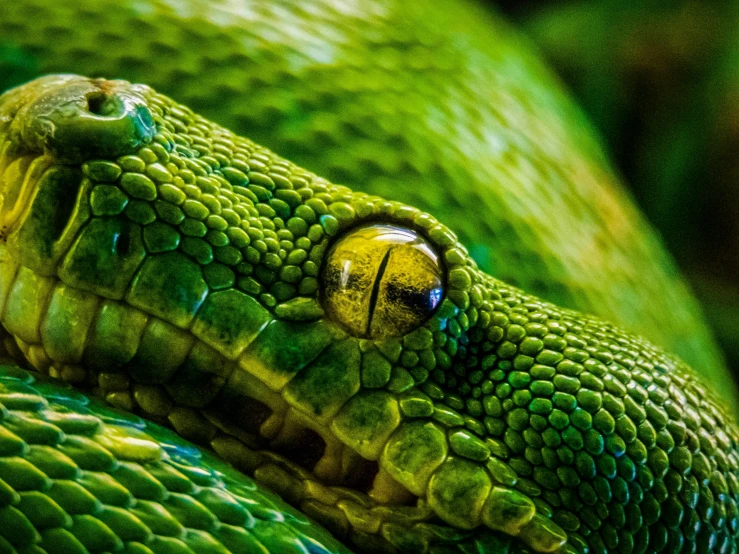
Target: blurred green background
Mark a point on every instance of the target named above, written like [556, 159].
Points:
[661, 82]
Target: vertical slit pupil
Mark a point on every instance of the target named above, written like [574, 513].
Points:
[376, 289]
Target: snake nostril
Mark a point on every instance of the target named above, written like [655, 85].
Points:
[104, 105]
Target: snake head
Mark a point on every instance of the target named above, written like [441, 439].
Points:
[342, 347]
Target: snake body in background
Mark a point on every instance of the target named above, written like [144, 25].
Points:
[414, 401]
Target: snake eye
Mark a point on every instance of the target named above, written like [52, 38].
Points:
[381, 281]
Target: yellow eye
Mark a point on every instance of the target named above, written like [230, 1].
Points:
[381, 281]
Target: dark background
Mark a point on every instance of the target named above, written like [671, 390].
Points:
[661, 82]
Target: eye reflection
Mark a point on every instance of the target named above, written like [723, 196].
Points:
[382, 281]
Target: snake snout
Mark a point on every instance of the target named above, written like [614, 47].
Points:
[74, 118]
[52, 132]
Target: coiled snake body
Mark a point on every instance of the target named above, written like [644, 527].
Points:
[346, 349]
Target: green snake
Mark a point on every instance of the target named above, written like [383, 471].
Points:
[341, 344]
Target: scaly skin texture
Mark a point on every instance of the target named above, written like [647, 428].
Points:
[181, 272]
[77, 476]
[438, 105]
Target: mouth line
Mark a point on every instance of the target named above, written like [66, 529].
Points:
[264, 422]
[343, 507]
[308, 452]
